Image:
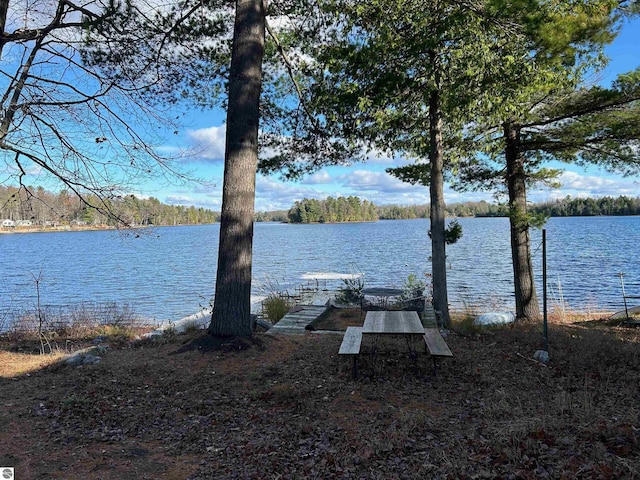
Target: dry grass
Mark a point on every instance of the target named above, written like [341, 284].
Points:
[275, 306]
[17, 364]
[564, 314]
[64, 331]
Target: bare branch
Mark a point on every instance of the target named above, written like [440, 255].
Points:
[63, 118]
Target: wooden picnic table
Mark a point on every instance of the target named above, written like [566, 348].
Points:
[397, 323]
[407, 324]
[392, 322]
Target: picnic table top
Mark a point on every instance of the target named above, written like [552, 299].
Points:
[395, 322]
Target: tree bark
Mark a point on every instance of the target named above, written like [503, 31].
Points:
[525, 288]
[232, 303]
[437, 211]
[4, 9]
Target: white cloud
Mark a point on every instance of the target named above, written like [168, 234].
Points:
[321, 177]
[179, 200]
[383, 189]
[451, 196]
[575, 181]
[378, 157]
[211, 202]
[209, 142]
[367, 181]
[276, 195]
[578, 185]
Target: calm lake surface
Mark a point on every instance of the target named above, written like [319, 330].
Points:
[169, 272]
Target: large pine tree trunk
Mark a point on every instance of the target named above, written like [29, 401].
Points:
[437, 213]
[232, 302]
[525, 288]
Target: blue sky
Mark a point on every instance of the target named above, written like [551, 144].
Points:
[369, 180]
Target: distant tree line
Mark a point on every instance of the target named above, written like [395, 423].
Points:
[352, 209]
[332, 210]
[577, 207]
[39, 207]
[565, 207]
[272, 216]
[397, 212]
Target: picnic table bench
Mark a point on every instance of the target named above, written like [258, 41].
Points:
[393, 323]
[438, 348]
[351, 346]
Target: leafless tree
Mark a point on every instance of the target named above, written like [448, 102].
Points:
[63, 124]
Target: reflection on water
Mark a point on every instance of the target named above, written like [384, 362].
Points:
[170, 272]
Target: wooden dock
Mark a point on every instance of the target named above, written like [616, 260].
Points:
[296, 321]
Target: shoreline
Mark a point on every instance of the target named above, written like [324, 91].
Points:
[64, 228]
[87, 228]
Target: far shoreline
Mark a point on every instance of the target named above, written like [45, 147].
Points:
[86, 228]
[63, 228]
[89, 228]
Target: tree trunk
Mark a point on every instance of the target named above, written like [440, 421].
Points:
[525, 288]
[232, 302]
[437, 214]
[4, 9]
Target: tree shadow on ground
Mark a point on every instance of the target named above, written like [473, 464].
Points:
[206, 343]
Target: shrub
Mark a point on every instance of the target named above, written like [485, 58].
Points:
[415, 287]
[274, 307]
[352, 290]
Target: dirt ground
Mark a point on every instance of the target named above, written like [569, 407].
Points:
[287, 407]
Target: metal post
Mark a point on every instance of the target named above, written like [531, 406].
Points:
[544, 290]
[624, 295]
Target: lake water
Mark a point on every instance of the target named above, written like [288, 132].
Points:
[169, 272]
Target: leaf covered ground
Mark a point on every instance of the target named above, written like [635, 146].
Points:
[287, 407]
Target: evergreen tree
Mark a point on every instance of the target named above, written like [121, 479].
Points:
[542, 48]
[401, 76]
